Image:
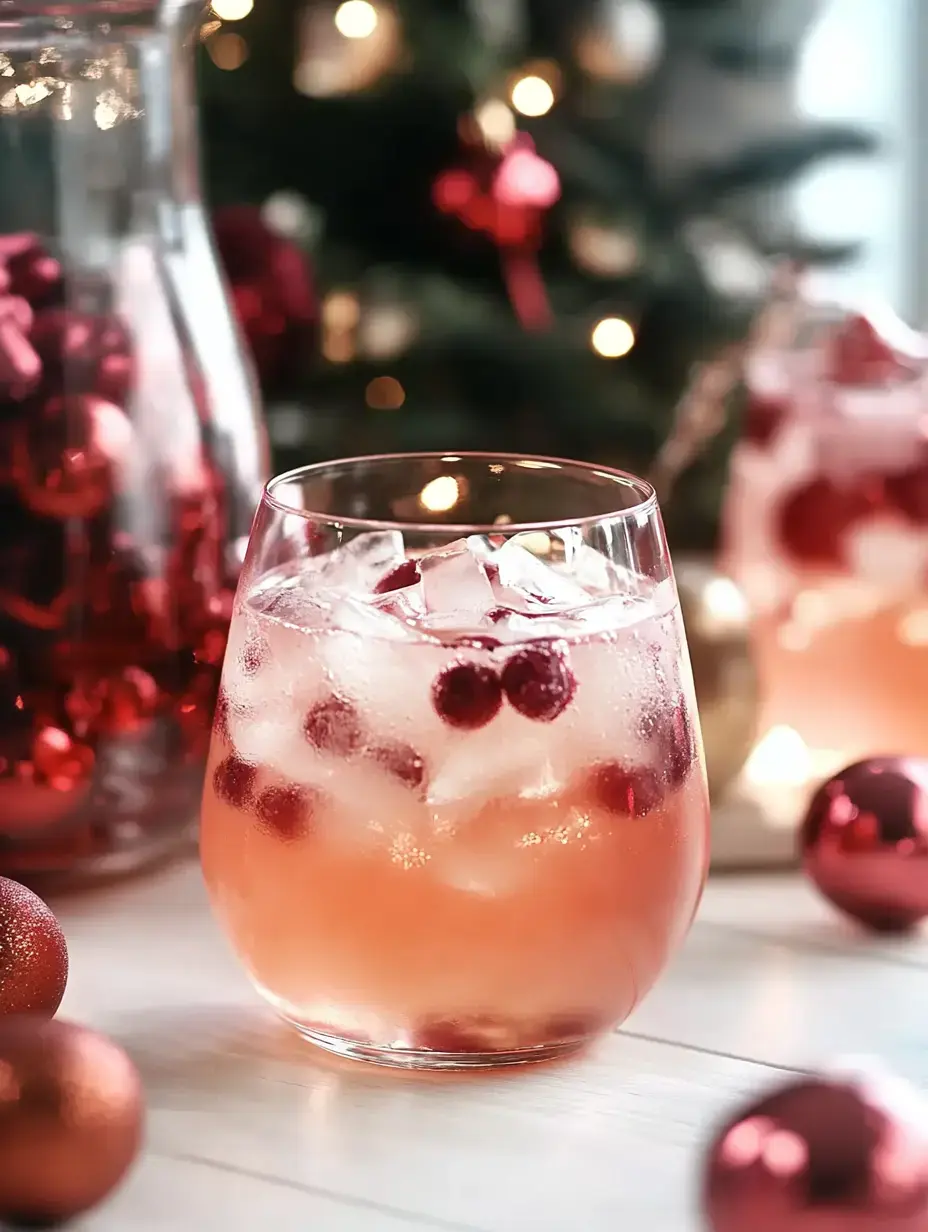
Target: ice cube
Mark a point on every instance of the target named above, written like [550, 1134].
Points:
[454, 582]
[370, 805]
[358, 565]
[374, 620]
[525, 583]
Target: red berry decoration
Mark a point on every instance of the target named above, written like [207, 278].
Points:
[670, 733]
[402, 761]
[255, 655]
[234, 780]
[33, 954]
[333, 726]
[467, 695]
[814, 519]
[821, 1154]
[864, 843]
[406, 574]
[538, 682]
[626, 791]
[287, 812]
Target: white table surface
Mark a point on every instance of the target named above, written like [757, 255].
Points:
[250, 1129]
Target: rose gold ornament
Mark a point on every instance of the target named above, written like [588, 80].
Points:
[864, 841]
[33, 957]
[822, 1154]
[71, 1111]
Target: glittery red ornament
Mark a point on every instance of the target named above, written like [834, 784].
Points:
[272, 291]
[822, 1154]
[864, 841]
[33, 954]
[70, 1120]
[67, 455]
[84, 354]
[33, 274]
[119, 703]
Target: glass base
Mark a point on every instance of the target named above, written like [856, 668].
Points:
[424, 1059]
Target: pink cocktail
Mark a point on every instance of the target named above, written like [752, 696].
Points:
[455, 811]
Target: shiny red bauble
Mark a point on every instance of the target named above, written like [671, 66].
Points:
[821, 1154]
[864, 841]
[33, 954]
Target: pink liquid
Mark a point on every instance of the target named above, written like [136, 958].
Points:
[509, 903]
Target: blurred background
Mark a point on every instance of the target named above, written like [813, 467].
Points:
[520, 223]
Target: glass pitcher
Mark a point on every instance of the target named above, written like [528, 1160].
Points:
[131, 452]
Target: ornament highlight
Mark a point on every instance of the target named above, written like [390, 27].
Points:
[822, 1154]
[864, 842]
[33, 955]
[70, 1119]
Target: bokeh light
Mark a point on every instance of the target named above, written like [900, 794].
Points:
[385, 393]
[532, 96]
[227, 51]
[232, 10]
[496, 122]
[356, 19]
[440, 495]
[612, 337]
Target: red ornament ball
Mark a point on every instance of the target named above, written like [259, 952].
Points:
[864, 842]
[821, 1154]
[70, 1120]
[33, 955]
[272, 291]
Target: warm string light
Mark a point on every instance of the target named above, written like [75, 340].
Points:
[612, 337]
[227, 51]
[532, 96]
[232, 10]
[440, 495]
[496, 122]
[341, 312]
[385, 393]
[356, 19]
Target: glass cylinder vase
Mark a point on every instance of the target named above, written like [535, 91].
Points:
[131, 453]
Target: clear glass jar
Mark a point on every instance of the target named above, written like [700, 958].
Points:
[826, 530]
[131, 453]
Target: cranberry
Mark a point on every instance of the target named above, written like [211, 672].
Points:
[446, 1035]
[467, 695]
[255, 654]
[402, 761]
[763, 417]
[221, 715]
[234, 780]
[628, 791]
[538, 682]
[333, 725]
[286, 811]
[406, 574]
[671, 733]
[813, 520]
[491, 569]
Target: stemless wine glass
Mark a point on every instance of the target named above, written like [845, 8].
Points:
[455, 811]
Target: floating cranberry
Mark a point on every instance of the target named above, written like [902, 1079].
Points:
[448, 1035]
[538, 682]
[402, 761]
[334, 726]
[286, 811]
[814, 519]
[406, 574]
[467, 695]
[670, 733]
[908, 492]
[627, 791]
[255, 655]
[763, 416]
[857, 355]
[234, 780]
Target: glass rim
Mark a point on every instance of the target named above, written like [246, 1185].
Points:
[646, 506]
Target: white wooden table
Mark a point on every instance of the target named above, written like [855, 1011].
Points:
[250, 1129]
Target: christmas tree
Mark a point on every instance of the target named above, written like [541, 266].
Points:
[503, 254]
